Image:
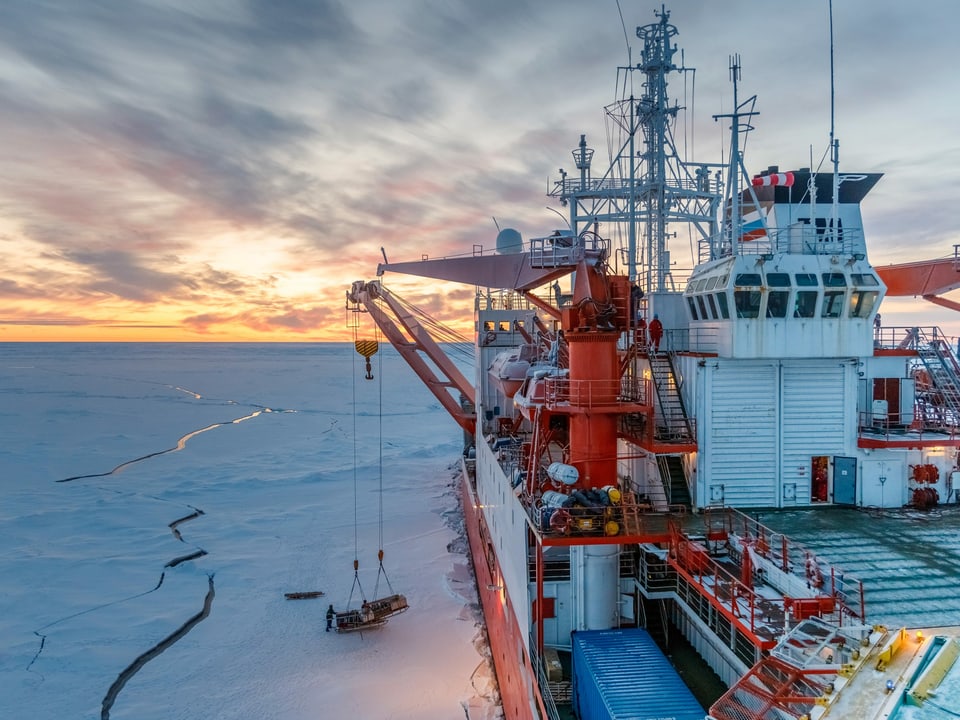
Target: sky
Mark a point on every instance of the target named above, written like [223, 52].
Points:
[223, 170]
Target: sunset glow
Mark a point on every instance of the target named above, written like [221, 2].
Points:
[179, 174]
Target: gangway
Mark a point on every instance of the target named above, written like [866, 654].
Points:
[937, 376]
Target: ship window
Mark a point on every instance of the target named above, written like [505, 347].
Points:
[518, 324]
[488, 325]
[690, 286]
[712, 283]
[693, 307]
[504, 326]
[834, 280]
[723, 281]
[724, 310]
[700, 283]
[832, 303]
[777, 303]
[806, 303]
[807, 280]
[748, 279]
[713, 307]
[747, 302]
[703, 307]
[862, 302]
[778, 280]
[864, 279]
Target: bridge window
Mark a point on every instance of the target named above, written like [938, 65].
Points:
[713, 307]
[722, 302]
[712, 283]
[833, 299]
[832, 303]
[693, 307]
[862, 302]
[748, 301]
[806, 304]
[703, 307]
[504, 326]
[778, 279]
[777, 303]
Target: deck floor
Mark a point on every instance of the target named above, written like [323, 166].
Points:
[909, 561]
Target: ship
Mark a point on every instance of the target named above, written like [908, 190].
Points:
[636, 436]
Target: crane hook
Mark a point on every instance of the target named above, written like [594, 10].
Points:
[367, 348]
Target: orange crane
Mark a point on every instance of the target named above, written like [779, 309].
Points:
[927, 278]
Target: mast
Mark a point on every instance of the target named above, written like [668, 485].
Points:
[657, 62]
[647, 186]
[834, 146]
[731, 233]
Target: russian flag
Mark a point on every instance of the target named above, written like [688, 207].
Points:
[752, 227]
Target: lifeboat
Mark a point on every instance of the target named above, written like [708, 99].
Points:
[508, 371]
[533, 392]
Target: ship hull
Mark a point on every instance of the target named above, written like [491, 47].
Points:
[517, 680]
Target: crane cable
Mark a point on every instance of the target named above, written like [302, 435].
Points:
[381, 571]
[356, 543]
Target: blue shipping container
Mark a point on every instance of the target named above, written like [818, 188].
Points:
[623, 675]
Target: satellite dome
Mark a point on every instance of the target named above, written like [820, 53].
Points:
[509, 241]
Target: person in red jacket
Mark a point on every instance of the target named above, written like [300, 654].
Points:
[656, 332]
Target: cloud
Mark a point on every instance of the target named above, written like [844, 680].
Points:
[298, 320]
[243, 161]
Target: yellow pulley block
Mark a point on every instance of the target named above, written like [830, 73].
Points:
[367, 348]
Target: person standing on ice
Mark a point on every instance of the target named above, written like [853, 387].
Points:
[656, 332]
[330, 616]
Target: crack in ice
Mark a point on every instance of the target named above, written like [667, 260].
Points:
[181, 443]
[135, 667]
[43, 637]
[192, 516]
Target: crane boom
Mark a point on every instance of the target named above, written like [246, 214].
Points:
[368, 294]
[927, 278]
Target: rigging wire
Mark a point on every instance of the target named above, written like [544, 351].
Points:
[626, 37]
[459, 344]
[381, 570]
[356, 542]
[380, 443]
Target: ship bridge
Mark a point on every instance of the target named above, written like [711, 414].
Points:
[795, 280]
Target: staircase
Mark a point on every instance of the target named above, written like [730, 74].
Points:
[673, 424]
[674, 480]
[656, 620]
[938, 389]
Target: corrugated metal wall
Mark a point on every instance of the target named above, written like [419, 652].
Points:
[741, 452]
[813, 418]
[765, 421]
[623, 675]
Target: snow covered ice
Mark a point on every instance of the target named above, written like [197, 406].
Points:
[257, 451]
